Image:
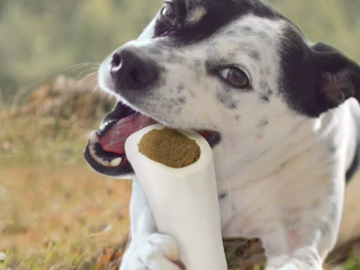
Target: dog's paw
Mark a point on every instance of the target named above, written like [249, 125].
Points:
[301, 259]
[288, 266]
[293, 266]
[155, 252]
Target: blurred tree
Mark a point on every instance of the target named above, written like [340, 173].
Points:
[326, 21]
[42, 38]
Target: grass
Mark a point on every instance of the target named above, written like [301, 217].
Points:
[55, 212]
[59, 215]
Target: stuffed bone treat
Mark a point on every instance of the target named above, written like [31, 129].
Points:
[176, 170]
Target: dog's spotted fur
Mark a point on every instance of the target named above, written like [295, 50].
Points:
[287, 139]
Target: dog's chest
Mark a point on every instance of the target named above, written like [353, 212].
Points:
[296, 178]
[292, 190]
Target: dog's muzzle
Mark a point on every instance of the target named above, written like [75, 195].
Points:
[132, 76]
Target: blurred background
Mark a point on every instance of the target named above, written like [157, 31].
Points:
[55, 212]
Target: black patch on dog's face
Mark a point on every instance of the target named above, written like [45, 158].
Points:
[299, 74]
[218, 14]
[316, 78]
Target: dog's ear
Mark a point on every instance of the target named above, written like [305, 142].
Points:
[338, 77]
[193, 3]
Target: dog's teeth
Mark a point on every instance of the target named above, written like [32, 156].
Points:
[97, 159]
[103, 126]
[115, 162]
[105, 163]
[93, 137]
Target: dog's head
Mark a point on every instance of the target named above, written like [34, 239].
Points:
[234, 70]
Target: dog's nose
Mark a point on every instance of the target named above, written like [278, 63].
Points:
[131, 70]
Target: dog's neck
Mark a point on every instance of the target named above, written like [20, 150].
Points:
[255, 156]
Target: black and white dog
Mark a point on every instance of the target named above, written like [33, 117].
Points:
[274, 108]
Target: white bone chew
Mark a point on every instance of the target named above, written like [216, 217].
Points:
[184, 202]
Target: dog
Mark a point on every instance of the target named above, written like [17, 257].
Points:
[280, 114]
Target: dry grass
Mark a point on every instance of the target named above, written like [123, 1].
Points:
[55, 212]
[59, 215]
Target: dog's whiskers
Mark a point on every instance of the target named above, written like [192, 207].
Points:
[85, 71]
[81, 65]
[88, 76]
[97, 87]
[92, 81]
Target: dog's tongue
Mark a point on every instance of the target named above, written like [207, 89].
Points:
[114, 139]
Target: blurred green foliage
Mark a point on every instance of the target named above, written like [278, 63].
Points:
[42, 38]
[336, 22]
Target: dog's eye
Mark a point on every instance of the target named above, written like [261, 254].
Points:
[168, 13]
[234, 76]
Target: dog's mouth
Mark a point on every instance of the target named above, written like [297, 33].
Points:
[105, 151]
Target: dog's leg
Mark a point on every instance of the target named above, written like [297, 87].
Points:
[306, 245]
[304, 258]
[148, 250]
